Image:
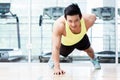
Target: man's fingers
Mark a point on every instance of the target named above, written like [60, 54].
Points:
[63, 72]
[59, 72]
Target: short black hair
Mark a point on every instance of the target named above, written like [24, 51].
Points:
[72, 9]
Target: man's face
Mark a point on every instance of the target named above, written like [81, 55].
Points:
[73, 21]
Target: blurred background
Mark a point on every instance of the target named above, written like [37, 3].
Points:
[26, 28]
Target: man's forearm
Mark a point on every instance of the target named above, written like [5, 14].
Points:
[56, 59]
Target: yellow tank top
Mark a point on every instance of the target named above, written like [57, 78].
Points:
[71, 38]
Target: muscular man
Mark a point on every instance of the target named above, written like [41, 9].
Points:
[69, 33]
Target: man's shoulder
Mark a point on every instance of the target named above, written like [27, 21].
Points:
[89, 20]
[89, 16]
[59, 25]
[60, 21]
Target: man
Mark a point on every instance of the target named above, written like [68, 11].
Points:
[70, 32]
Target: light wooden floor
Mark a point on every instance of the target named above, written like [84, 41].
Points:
[40, 71]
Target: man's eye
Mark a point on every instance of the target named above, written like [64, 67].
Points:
[76, 20]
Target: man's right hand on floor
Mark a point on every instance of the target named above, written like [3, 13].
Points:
[58, 71]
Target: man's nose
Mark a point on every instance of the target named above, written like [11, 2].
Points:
[73, 24]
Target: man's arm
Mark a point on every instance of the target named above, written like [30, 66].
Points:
[89, 20]
[56, 39]
[56, 43]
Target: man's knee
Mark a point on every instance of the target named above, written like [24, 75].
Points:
[89, 50]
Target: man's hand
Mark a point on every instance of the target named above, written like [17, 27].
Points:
[58, 71]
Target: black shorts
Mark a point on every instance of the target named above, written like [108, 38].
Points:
[81, 45]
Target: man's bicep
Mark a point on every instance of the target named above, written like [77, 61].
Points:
[91, 20]
[93, 17]
[56, 40]
[58, 29]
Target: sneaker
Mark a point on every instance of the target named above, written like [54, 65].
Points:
[51, 63]
[96, 63]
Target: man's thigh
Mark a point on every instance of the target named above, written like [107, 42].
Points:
[66, 50]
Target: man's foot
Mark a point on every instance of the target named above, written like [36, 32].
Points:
[96, 63]
[50, 63]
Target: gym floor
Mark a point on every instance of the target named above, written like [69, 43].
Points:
[74, 71]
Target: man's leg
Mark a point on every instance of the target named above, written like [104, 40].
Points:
[93, 58]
